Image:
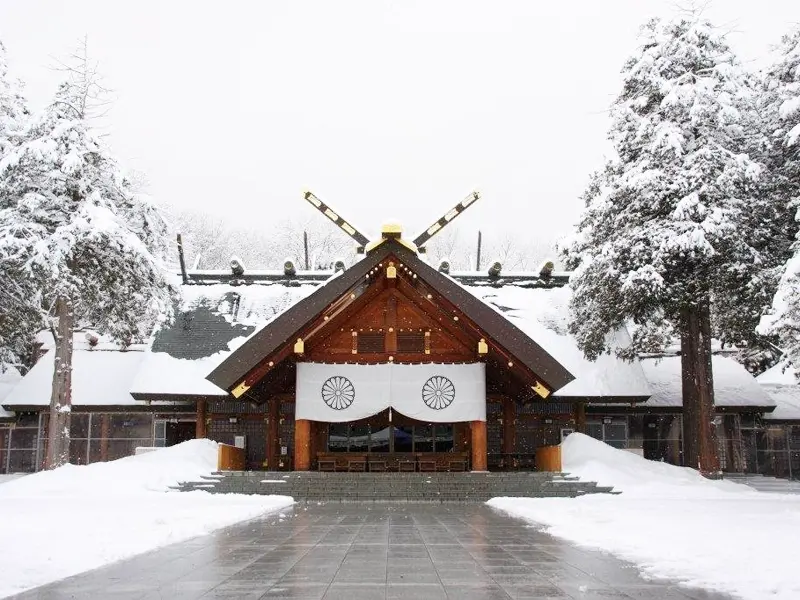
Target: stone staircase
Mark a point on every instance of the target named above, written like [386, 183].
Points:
[313, 486]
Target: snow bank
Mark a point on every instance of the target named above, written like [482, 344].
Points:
[674, 524]
[55, 524]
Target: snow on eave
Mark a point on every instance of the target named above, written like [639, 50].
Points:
[787, 402]
[99, 378]
[733, 385]
[161, 373]
[542, 314]
[779, 374]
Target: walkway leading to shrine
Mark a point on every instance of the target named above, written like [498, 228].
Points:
[371, 551]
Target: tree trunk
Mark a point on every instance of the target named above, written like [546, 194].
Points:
[699, 437]
[61, 398]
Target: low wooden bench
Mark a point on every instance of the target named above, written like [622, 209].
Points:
[406, 466]
[376, 466]
[358, 465]
[427, 466]
[328, 465]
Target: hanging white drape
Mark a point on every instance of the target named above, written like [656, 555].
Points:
[427, 392]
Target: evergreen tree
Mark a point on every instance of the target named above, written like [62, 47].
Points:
[92, 249]
[781, 110]
[17, 319]
[669, 235]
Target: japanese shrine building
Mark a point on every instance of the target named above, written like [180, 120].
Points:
[390, 360]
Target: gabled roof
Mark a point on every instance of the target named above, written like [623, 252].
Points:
[286, 326]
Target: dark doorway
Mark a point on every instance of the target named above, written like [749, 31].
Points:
[179, 432]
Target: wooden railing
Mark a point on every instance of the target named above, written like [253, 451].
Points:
[230, 458]
[395, 461]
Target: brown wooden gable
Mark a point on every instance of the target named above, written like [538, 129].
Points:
[418, 293]
[391, 325]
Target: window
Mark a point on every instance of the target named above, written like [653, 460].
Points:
[359, 438]
[370, 342]
[379, 440]
[613, 432]
[337, 437]
[443, 439]
[423, 438]
[403, 439]
[343, 437]
[411, 342]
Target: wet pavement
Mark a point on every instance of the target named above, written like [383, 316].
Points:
[371, 551]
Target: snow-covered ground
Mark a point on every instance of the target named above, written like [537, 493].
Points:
[58, 523]
[10, 477]
[673, 523]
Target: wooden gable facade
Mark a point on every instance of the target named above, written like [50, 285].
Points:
[390, 307]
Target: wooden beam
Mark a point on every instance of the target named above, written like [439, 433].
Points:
[390, 323]
[104, 431]
[580, 417]
[200, 425]
[273, 421]
[509, 425]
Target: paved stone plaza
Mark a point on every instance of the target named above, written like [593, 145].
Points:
[371, 551]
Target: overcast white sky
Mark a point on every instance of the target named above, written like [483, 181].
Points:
[385, 109]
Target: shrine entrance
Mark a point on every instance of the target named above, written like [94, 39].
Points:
[391, 442]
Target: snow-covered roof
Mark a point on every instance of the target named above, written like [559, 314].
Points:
[8, 380]
[211, 322]
[161, 373]
[780, 374]
[542, 314]
[733, 385]
[214, 320]
[787, 402]
[782, 386]
[99, 378]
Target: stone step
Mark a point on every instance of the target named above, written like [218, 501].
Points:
[397, 487]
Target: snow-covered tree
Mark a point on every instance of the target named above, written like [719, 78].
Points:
[781, 110]
[91, 248]
[669, 235]
[17, 319]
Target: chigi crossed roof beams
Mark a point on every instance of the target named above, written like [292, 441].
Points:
[391, 263]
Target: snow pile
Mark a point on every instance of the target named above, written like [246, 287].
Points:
[673, 523]
[59, 523]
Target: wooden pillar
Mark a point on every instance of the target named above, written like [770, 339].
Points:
[302, 445]
[273, 429]
[104, 431]
[479, 458]
[580, 417]
[200, 425]
[509, 425]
